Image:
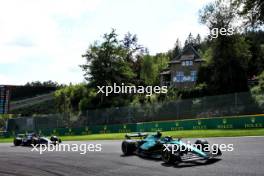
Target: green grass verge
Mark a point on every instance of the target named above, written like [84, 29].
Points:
[175, 134]
[6, 140]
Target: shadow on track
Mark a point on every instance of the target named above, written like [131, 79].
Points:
[192, 163]
[182, 164]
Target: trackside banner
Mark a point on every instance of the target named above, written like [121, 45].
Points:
[236, 122]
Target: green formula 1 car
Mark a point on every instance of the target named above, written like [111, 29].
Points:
[168, 149]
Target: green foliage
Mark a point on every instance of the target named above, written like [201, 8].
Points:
[229, 54]
[74, 98]
[229, 61]
[207, 55]
[177, 94]
[252, 11]
[43, 84]
[172, 54]
[256, 63]
[3, 119]
[111, 61]
[228, 65]
[148, 67]
[258, 91]
[151, 67]
[218, 14]
[172, 94]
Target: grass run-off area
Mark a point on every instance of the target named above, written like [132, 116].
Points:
[175, 134]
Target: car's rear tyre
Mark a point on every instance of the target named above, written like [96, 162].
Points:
[128, 147]
[35, 141]
[219, 153]
[17, 142]
[55, 139]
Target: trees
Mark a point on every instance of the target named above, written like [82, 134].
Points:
[113, 61]
[151, 67]
[43, 84]
[255, 40]
[252, 11]
[230, 54]
[258, 91]
[230, 60]
[172, 54]
[252, 14]
[190, 40]
[107, 62]
[75, 98]
[198, 39]
[218, 14]
[195, 42]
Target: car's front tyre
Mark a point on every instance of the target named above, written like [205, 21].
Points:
[17, 142]
[128, 147]
[170, 157]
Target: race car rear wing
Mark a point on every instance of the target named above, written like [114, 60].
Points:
[135, 135]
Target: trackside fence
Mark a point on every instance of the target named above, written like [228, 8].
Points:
[212, 112]
[235, 122]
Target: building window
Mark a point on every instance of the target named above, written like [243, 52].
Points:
[193, 75]
[179, 76]
[187, 63]
[183, 63]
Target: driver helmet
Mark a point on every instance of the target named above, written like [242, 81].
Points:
[159, 134]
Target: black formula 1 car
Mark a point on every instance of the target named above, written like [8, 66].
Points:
[167, 148]
[34, 139]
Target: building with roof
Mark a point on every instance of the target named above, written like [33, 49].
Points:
[182, 70]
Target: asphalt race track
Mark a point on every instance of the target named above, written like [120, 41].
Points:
[246, 159]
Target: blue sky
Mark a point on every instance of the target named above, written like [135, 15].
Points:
[44, 39]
